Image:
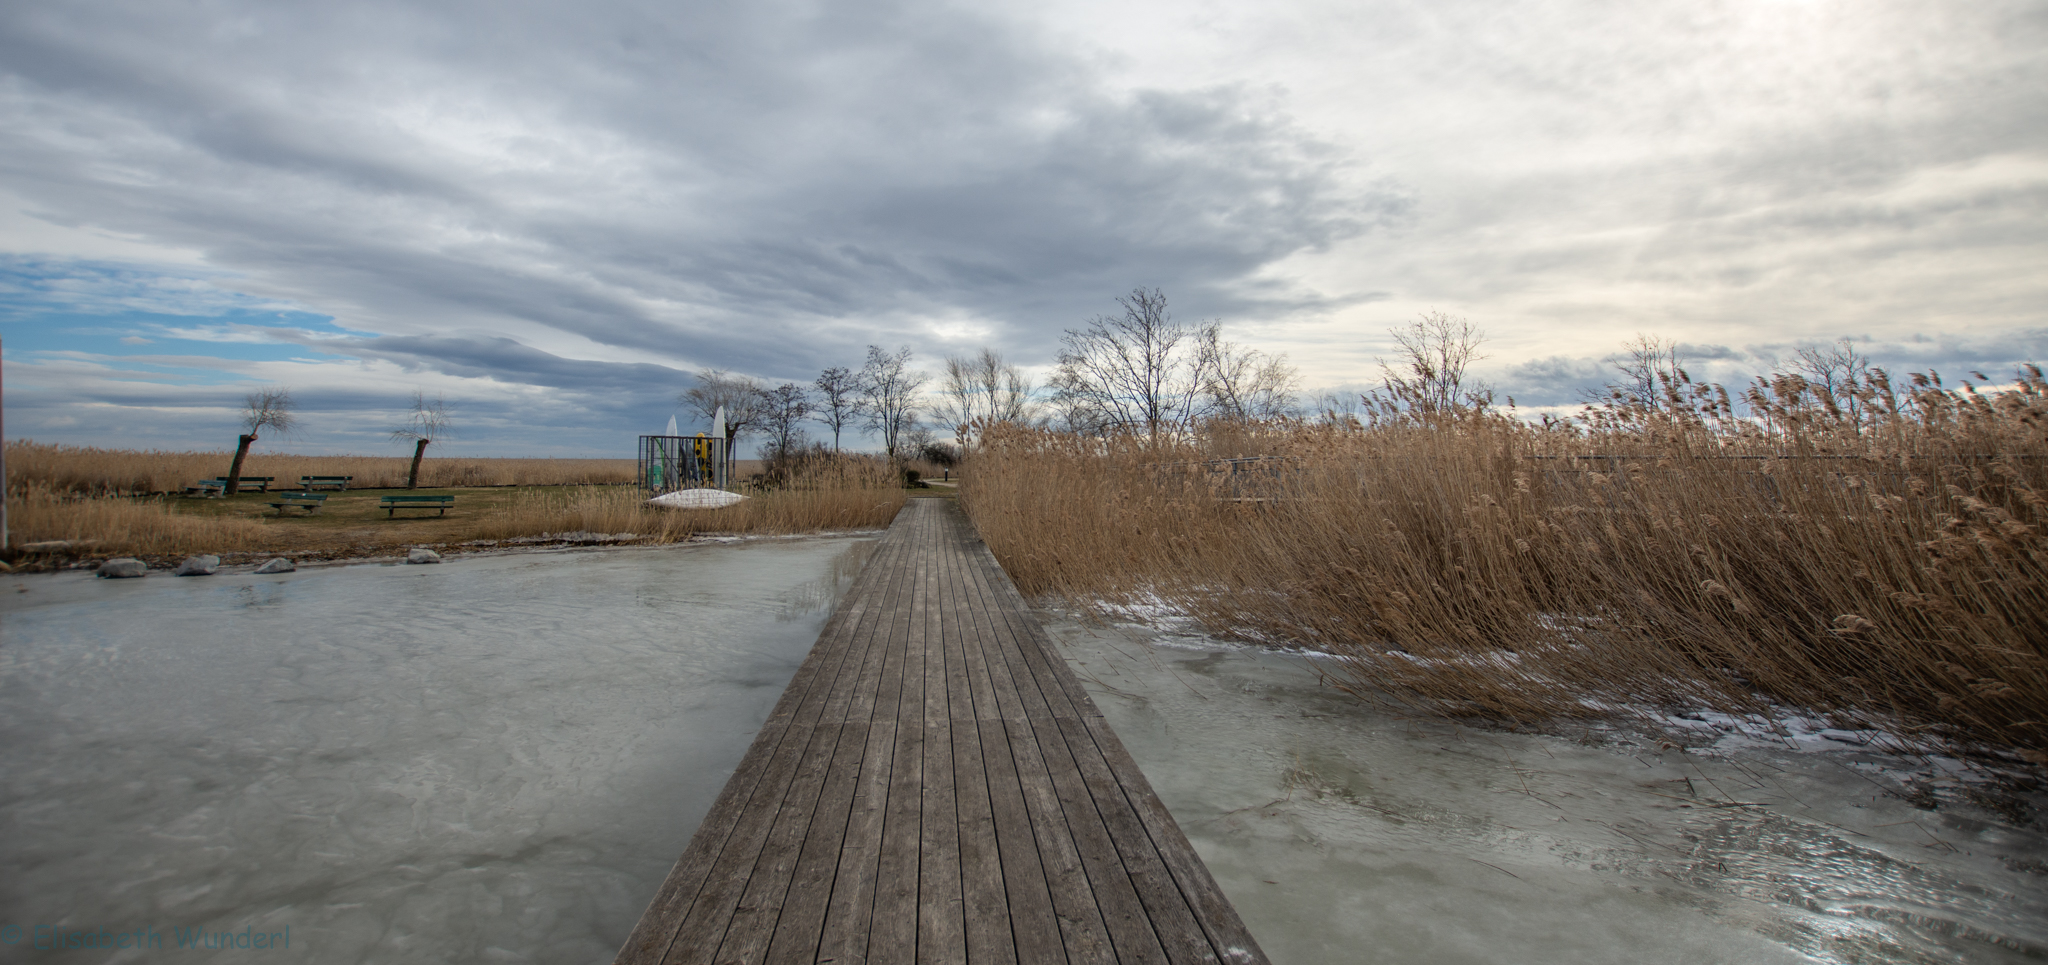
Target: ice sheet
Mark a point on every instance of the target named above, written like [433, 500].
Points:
[494, 759]
[1346, 835]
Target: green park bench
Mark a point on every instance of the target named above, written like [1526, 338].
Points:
[392, 504]
[260, 484]
[310, 502]
[310, 483]
[207, 487]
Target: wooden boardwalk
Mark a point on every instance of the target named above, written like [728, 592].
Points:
[935, 787]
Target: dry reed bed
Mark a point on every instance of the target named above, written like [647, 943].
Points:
[858, 504]
[128, 472]
[120, 526]
[1885, 566]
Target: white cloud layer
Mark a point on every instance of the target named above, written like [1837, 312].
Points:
[552, 214]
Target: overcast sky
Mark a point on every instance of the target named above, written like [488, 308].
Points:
[554, 214]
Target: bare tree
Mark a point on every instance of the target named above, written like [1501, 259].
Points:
[1651, 370]
[739, 395]
[1835, 375]
[1429, 378]
[1130, 373]
[980, 391]
[1242, 384]
[783, 409]
[262, 409]
[838, 400]
[426, 422]
[888, 395]
[1338, 408]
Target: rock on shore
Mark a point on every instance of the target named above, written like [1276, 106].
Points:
[122, 568]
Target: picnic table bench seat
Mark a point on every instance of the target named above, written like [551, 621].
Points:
[219, 485]
[310, 502]
[310, 483]
[392, 504]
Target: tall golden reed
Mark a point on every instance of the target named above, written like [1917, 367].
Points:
[1885, 562]
[863, 498]
[128, 526]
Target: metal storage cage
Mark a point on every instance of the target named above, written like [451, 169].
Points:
[669, 463]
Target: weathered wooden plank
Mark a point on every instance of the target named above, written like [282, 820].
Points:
[892, 935]
[753, 917]
[658, 925]
[1227, 933]
[801, 685]
[1047, 674]
[1062, 689]
[976, 635]
[984, 902]
[1021, 699]
[1036, 927]
[761, 903]
[1083, 933]
[1123, 914]
[1173, 922]
[849, 916]
[941, 927]
[1023, 682]
[958, 625]
[1031, 638]
[802, 923]
[852, 698]
[703, 925]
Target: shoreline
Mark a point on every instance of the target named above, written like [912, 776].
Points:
[235, 561]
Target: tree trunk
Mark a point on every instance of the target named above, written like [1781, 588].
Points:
[412, 479]
[235, 471]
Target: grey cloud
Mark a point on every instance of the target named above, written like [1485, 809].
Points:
[1556, 380]
[1560, 380]
[725, 184]
[505, 358]
[1709, 353]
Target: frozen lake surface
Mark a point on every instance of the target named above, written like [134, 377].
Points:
[1346, 835]
[498, 758]
[492, 759]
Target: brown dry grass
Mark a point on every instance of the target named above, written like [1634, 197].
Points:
[128, 472]
[822, 502]
[850, 494]
[1885, 563]
[123, 526]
